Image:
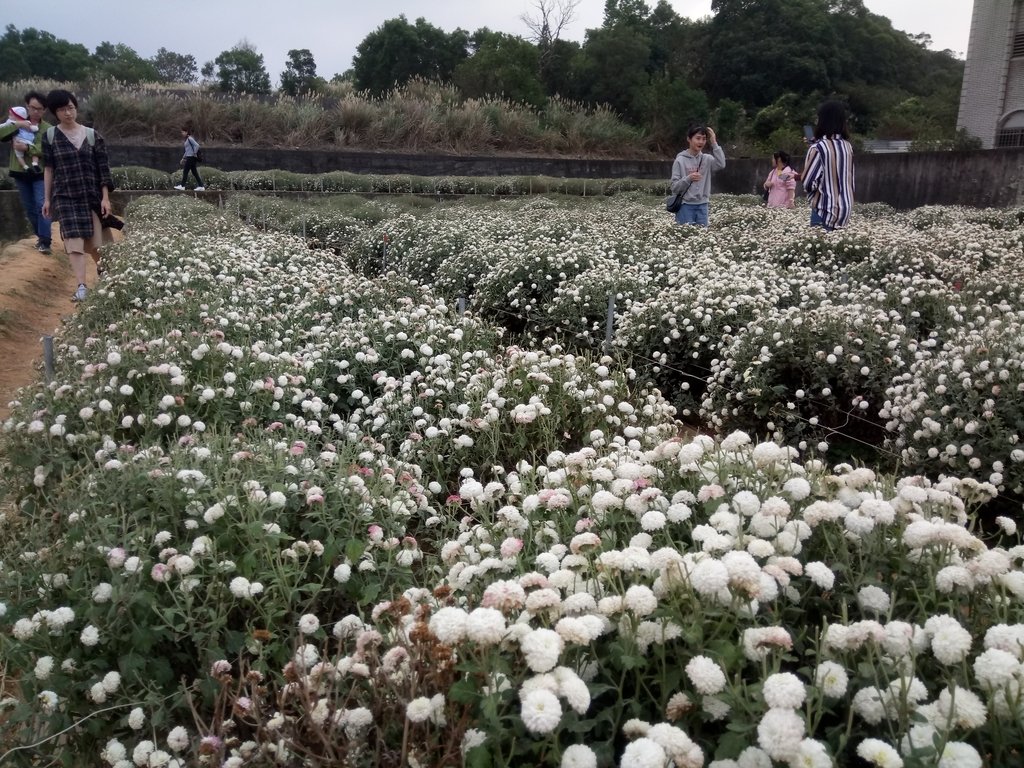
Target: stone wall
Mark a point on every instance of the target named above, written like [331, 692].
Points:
[904, 180]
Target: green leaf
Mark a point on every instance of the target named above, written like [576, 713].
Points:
[478, 757]
[464, 692]
[370, 592]
[354, 549]
[730, 745]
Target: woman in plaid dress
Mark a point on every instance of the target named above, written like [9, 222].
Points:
[76, 183]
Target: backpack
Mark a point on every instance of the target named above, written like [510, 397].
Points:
[199, 151]
[90, 135]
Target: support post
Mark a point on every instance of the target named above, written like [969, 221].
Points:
[609, 324]
[48, 358]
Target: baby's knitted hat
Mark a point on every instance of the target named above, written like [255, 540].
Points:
[18, 113]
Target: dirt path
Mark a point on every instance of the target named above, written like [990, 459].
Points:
[35, 294]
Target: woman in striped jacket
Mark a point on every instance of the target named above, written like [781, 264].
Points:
[828, 168]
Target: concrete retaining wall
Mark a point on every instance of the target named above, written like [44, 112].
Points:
[980, 178]
[907, 180]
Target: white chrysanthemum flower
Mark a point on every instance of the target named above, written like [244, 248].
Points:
[644, 753]
[959, 754]
[140, 755]
[735, 440]
[178, 739]
[308, 624]
[136, 719]
[114, 752]
[48, 701]
[950, 642]
[797, 488]
[449, 625]
[709, 577]
[780, 732]
[473, 738]
[715, 708]
[542, 647]
[485, 626]
[25, 629]
[102, 592]
[754, 757]
[962, 707]
[653, 520]
[572, 688]
[1007, 524]
[919, 740]
[706, 675]
[90, 636]
[812, 754]
[111, 682]
[995, 667]
[877, 752]
[873, 599]
[784, 690]
[832, 679]
[746, 503]
[867, 702]
[541, 711]
[820, 574]
[678, 746]
[419, 709]
[640, 600]
[578, 756]
[43, 668]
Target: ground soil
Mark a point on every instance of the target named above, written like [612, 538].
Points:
[35, 297]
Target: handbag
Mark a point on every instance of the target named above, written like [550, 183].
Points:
[673, 204]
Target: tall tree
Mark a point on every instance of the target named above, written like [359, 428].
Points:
[612, 67]
[241, 70]
[760, 50]
[546, 23]
[398, 50]
[299, 76]
[120, 62]
[632, 12]
[174, 67]
[548, 20]
[34, 53]
[503, 65]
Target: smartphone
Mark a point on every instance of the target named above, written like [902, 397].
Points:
[809, 132]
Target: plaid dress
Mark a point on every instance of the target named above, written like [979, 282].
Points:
[78, 176]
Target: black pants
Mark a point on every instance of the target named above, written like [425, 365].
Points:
[191, 165]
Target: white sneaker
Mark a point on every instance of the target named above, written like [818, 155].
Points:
[200, 189]
[80, 293]
[179, 187]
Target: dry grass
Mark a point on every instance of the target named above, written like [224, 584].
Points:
[419, 116]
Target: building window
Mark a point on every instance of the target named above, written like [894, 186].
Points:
[1010, 137]
[1018, 45]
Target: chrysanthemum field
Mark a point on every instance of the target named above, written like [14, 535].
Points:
[286, 505]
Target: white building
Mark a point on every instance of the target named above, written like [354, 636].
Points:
[992, 96]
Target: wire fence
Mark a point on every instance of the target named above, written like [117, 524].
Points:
[609, 349]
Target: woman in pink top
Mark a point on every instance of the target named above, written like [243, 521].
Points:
[781, 182]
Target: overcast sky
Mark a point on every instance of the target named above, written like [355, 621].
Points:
[332, 29]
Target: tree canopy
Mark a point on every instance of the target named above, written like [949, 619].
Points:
[758, 67]
[397, 51]
[174, 67]
[121, 63]
[299, 76]
[241, 70]
[34, 53]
